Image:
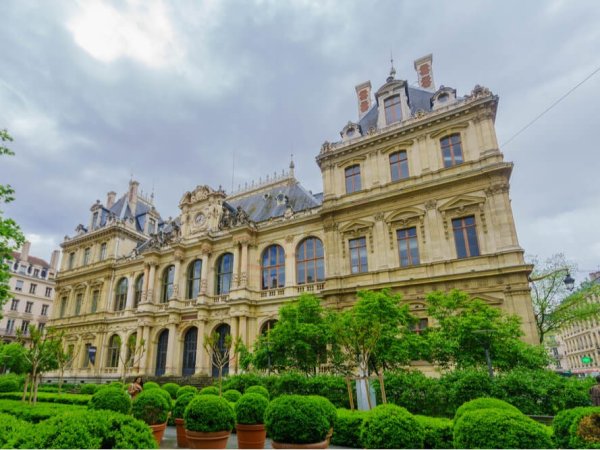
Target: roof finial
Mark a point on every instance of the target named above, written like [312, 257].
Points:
[392, 70]
[292, 165]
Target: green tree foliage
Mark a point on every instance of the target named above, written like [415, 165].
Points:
[299, 339]
[465, 326]
[375, 333]
[11, 237]
[13, 358]
[553, 305]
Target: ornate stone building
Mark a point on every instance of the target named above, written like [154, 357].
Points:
[415, 198]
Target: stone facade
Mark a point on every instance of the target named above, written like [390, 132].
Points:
[31, 293]
[415, 198]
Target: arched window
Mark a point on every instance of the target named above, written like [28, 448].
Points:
[130, 348]
[393, 112]
[193, 278]
[161, 353]
[121, 294]
[112, 354]
[222, 330]
[273, 267]
[167, 284]
[224, 273]
[190, 343]
[310, 261]
[267, 326]
[352, 179]
[399, 165]
[451, 150]
[138, 288]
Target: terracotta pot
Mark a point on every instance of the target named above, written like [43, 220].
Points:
[158, 431]
[251, 436]
[323, 444]
[199, 439]
[181, 436]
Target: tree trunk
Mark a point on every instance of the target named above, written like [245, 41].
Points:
[37, 382]
[60, 379]
[25, 388]
[220, 379]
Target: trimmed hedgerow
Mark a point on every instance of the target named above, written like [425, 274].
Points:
[209, 390]
[250, 409]
[208, 413]
[242, 382]
[460, 386]
[47, 397]
[499, 428]
[258, 390]
[296, 419]
[9, 427]
[9, 384]
[391, 426]
[111, 399]
[565, 419]
[151, 406]
[346, 429]
[483, 403]
[185, 390]
[231, 395]
[88, 389]
[181, 403]
[171, 388]
[37, 413]
[438, 431]
[151, 385]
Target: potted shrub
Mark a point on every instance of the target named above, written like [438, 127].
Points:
[329, 411]
[171, 388]
[294, 421]
[113, 399]
[153, 408]
[391, 426]
[209, 390]
[186, 390]
[208, 422]
[232, 395]
[180, 405]
[258, 390]
[250, 418]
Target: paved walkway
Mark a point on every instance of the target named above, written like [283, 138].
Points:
[170, 440]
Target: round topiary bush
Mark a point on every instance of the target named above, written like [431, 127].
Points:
[483, 403]
[151, 406]
[295, 419]
[391, 426]
[112, 399]
[250, 409]
[208, 413]
[171, 388]
[209, 390]
[181, 403]
[9, 384]
[346, 430]
[186, 389]
[585, 431]
[151, 385]
[165, 395]
[499, 428]
[258, 390]
[88, 389]
[564, 419]
[437, 430]
[327, 408]
[232, 395]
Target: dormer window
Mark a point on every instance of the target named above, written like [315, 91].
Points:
[392, 109]
[351, 132]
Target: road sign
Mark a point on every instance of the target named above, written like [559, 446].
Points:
[586, 360]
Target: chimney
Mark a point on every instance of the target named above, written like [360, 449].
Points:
[133, 195]
[110, 199]
[424, 69]
[54, 260]
[25, 251]
[363, 94]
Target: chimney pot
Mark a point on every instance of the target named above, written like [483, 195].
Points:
[110, 199]
[54, 260]
[25, 251]
[363, 96]
[424, 68]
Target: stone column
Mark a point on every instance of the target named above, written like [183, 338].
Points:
[243, 332]
[290, 262]
[145, 283]
[85, 307]
[100, 354]
[130, 293]
[201, 356]
[171, 346]
[244, 264]
[236, 266]
[151, 282]
[178, 293]
[234, 335]
[144, 361]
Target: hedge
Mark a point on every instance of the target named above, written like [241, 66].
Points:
[36, 413]
[346, 429]
[296, 419]
[47, 397]
[483, 403]
[111, 399]
[391, 426]
[564, 419]
[9, 427]
[88, 389]
[9, 384]
[499, 428]
[438, 432]
[243, 381]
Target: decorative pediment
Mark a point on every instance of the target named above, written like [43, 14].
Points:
[457, 128]
[461, 205]
[356, 228]
[405, 218]
[351, 161]
[490, 300]
[462, 202]
[398, 146]
[417, 306]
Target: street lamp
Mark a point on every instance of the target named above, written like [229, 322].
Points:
[486, 348]
[568, 280]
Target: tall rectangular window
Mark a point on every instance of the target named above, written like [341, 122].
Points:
[28, 307]
[19, 285]
[63, 307]
[32, 288]
[41, 326]
[465, 237]
[353, 179]
[86, 356]
[78, 303]
[102, 251]
[399, 165]
[452, 150]
[94, 306]
[25, 326]
[393, 112]
[408, 246]
[36, 273]
[10, 326]
[14, 305]
[95, 220]
[44, 310]
[86, 256]
[358, 255]
[48, 292]
[71, 260]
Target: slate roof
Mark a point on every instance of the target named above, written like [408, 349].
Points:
[272, 202]
[32, 260]
[122, 210]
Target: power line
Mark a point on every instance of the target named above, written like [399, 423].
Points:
[550, 107]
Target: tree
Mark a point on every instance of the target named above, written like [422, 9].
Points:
[42, 348]
[132, 355]
[64, 359]
[13, 359]
[11, 237]
[299, 340]
[554, 306]
[221, 352]
[465, 327]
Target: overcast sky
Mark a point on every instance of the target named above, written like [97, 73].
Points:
[93, 92]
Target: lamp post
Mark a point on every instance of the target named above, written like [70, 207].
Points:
[486, 349]
[568, 280]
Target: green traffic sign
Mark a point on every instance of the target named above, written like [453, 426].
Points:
[586, 360]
